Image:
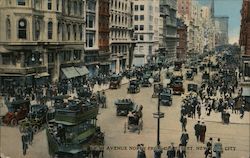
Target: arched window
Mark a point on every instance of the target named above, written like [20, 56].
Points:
[50, 30]
[22, 29]
[8, 29]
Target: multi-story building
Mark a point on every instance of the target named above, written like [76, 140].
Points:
[146, 31]
[244, 40]
[221, 30]
[91, 56]
[181, 51]
[168, 12]
[104, 36]
[40, 38]
[121, 34]
[184, 9]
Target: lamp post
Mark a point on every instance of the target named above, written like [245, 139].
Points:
[158, 115]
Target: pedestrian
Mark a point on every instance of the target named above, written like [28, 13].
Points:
[218, 149]
[242, 110]
[157, 151]
[183, 121]
[208, 151]
[184, 138]
[140, 151]
[180, 152]
[199, 110]
[171, 153]
[203, 132]
[197, 128]
[24, 142]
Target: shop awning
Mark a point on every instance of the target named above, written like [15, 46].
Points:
[82, 70]
[70, 72]
[4, 50]
[43, 74]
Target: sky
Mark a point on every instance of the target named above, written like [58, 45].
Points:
[230, 8]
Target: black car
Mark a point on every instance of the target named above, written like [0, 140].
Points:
[166, 98]
[145, 81]
[134, 86]
[189, 75]
[192, 87]
[123, 106]
[115, 81]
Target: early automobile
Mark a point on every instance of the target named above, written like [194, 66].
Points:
[177, 65]
[123, 106]
[59, 101]
[177, 87]
[166, 97]
[134, 122]
[205, 77]
[84, 92]
[35, 119]
[189, 75]
[192, 87]
[157, 89]
[17, 110]
[115, 82]
[145, 81]
[134, 86]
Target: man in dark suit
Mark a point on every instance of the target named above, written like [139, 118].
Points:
[197, 128]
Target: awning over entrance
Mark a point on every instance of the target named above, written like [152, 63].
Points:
[70, 72]
[4, 50]
[43, 74]
[82, 70]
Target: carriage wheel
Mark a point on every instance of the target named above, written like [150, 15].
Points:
[35, 128]
[13, 122]
[125, 126]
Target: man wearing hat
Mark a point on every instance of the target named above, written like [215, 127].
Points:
[203, 132]
[197, 129]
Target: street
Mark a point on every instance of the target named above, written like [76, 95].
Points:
[234, 137]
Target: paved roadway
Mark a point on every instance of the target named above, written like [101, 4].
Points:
[234, 137]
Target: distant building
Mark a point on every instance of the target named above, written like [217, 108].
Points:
[221, 30]
[146, 30]
[181, 51]
[244, 40]
[121, 34]
[104, 52]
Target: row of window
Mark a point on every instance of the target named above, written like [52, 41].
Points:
[119, 34]
[66, 6]
[23, 30]
[119, 19]
[139, 26]
[139, 7]
[137, 17]
[118, 5]
[119, 48]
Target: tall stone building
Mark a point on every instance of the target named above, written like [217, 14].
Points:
[92, 30]
[41, 38]
[221, 30]
[168, 12]
[121, 34]
[146, 31]
[104, 36]
[244, 40]
[181, 52]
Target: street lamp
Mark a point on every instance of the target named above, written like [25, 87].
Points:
[158, 115]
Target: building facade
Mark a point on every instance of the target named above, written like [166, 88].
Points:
[146, 31]
[40, 38]
[221, 30]
[170, 22]
[181, 51]
[244, 40]
[91, 56]
[121, 34]
[104, 51]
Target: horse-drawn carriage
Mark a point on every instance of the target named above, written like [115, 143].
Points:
[134, 122]
[35, 119]
[134, 86]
